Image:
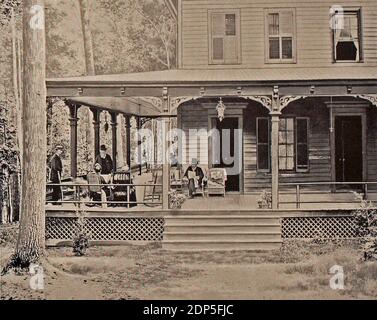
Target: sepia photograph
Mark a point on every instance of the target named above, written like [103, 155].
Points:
[171, 151]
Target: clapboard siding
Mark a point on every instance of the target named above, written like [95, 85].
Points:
[314, 43]
[319, 146]
[372, 144]
[194, 117]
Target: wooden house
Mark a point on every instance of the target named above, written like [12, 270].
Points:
[298, 78]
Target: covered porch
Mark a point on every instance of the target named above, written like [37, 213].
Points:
[160, 95]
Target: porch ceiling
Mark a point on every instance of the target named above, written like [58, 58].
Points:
[132, 106]
[258, 81]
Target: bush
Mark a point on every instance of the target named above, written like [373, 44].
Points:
[176, 200]
[82, 236]
[366, 222]
[265, 200]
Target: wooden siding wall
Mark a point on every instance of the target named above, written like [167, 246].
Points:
[372, 145]
[314, 42]
[319, 145]
[194, 116]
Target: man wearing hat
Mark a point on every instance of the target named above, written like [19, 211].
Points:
[106, 164]
[195, 177]
[56, 168]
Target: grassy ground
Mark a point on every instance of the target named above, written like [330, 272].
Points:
[299, 270]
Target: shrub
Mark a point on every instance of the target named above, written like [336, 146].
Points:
[82, 236]
[176, 200]
[366, 222]
[265, 200]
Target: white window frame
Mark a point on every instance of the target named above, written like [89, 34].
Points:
[237, 13]
[359, 59]
[281, 36]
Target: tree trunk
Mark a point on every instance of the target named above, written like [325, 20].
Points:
[31, 239]
[87, 35]
[89, 64]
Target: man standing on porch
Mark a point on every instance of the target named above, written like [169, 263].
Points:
[56, 169]
[106, 163]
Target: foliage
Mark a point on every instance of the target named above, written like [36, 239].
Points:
[366, 222]
[265, 200]
[176, 199]
[141, 31]
[81, 236]
[8, 235]
[8, 138]
[6, 9]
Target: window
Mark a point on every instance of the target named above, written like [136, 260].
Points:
[293, 144]
[263, 144]
[286, 144]
[347, 45]
[224, 37]
[280, 40]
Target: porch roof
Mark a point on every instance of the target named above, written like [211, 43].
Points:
[209, 76]
[131, 106]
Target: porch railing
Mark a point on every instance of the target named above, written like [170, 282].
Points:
[361, 188]
[79, 193]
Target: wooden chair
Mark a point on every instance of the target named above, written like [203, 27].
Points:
[153, 193]
[124, 193]
[94, 188]
[216, 181]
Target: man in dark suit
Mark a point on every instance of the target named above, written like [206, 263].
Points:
[56, 167]
[106, 164]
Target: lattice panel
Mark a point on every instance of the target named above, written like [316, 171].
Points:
[318, 228]
[108, 229]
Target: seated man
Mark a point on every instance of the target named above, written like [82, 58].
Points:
[194, 174]
[96, 192]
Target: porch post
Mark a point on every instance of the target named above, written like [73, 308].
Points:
[165, 164]
[275, 118]
[139, 145]
[96, 126]
[128, 140]
[114, 142]
[73, 109]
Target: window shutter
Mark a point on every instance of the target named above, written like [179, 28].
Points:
[263, 144]
[218, 32]
[302, 146]
[224, 37]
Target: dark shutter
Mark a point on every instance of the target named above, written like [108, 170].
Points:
[302, 145]
[263, 144]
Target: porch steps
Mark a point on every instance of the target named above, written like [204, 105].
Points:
[222, 232]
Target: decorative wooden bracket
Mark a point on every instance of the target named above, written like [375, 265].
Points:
[286, 100]
[154, 101]
[372, 98]
[177, 101]
[266, 101]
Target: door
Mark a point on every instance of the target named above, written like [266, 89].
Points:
[228, 151]
[348, 149]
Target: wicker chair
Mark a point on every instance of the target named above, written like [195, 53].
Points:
[216, 181]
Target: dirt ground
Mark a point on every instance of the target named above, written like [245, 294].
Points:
[297, 271]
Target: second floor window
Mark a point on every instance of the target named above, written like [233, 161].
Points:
[224, 37]
[280, 42]
[347, 46]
